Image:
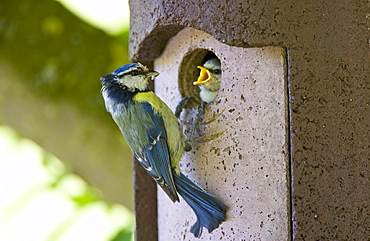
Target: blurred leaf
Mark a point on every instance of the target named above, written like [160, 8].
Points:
[123, 235]
[54, 166]
[88, 197]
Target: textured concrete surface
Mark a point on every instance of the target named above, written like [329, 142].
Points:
[327, 44]
[247, 167]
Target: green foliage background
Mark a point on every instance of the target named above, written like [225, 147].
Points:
[50, 64]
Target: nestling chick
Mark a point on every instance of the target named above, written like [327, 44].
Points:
[156, 140]
[209, 82]
[209, 79]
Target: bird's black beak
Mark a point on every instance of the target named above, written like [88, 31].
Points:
[152, 74]
[108, 78]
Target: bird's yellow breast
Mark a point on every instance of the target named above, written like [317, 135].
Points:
[151, 98]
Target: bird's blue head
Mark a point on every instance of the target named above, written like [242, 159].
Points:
[125, 68]
[133, 77]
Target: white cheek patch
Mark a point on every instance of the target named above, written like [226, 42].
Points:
[139, 82]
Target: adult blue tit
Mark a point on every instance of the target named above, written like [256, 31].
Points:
[156, 140]
[209, 79]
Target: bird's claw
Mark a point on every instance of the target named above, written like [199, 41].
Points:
[196, 124]
[205, 139]
[188, 145]
[209, 121]
[184, 103]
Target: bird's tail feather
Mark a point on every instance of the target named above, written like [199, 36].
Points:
[209, 211]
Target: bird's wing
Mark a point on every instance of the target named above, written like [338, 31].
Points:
[155, 157]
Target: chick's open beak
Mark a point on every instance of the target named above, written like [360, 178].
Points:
[204, 76]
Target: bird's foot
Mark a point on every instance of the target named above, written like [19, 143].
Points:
[209, 121]
[184, 103]
[206, 139]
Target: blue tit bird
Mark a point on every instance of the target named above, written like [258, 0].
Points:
[209, 80]
[156, 140]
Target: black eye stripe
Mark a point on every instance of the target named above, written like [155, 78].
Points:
[134, 72]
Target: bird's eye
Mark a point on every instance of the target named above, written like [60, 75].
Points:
[217, 71]
[135, 72]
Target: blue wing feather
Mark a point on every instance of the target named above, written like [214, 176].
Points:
[155, 157]
[210, 212]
